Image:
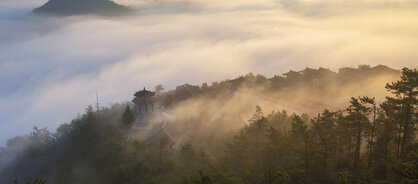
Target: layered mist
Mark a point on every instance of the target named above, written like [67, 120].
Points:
[219, 131]
[52, 67]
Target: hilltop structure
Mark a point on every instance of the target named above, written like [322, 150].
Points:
[144, 106]
[152, 123]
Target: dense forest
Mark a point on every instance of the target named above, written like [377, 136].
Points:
[365, 139]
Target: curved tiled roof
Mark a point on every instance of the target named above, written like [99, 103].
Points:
[144, 93]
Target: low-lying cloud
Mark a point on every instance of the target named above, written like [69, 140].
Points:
[51, 68]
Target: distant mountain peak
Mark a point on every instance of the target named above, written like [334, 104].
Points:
[75, 7]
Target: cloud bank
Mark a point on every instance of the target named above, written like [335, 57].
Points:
[51, 68]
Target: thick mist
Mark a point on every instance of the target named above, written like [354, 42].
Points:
[211, 117]
[52, 67]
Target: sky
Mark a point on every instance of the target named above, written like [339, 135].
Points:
[51, 68]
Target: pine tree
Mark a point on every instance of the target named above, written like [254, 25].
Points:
[357, 116]
[300, 131]
[405, 97]
[325, 128]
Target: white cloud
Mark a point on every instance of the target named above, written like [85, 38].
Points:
[51, 68]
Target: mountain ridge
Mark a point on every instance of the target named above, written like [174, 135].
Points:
[82, 7]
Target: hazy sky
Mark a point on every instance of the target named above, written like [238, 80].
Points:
[51, 68]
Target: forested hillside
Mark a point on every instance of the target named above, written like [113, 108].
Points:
[306, 91]
[311, 126]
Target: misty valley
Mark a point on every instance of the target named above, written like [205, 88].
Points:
[208, 92]
[299, 127]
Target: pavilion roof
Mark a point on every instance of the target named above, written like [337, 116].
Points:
[144, 93]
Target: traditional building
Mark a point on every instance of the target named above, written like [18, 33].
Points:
[186, 91]
[144, 106]
[152, 124]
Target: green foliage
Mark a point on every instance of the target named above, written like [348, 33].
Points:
[408, 170]
[224, 175]
[273, 176]
[404, 102]
[364, 143]
[200, 179]
[127, 116]
[203, 179]
[36, 181]
[358, 112]
[342, 179]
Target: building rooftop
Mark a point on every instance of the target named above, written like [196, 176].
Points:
[144, 93]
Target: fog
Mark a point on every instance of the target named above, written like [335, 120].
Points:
[51, 68]
[213, 117]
